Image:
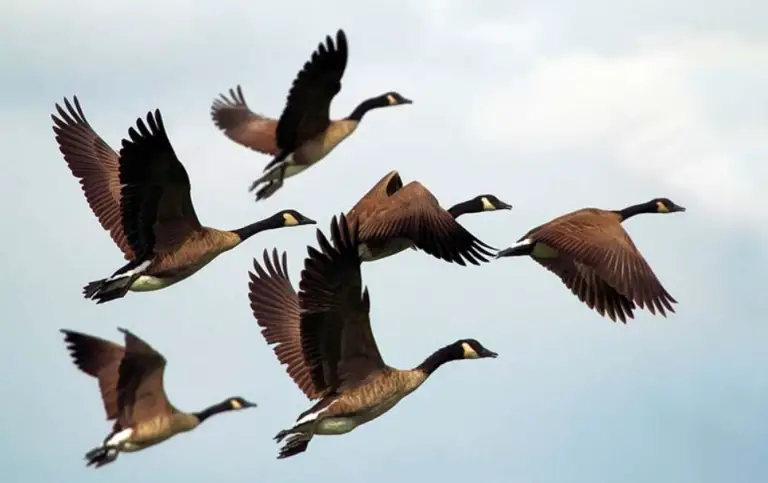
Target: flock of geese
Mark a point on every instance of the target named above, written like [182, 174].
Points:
[322, 334]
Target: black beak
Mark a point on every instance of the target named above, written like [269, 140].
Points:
[503, 206]
[403, 100]
[677, 208]
[249, 404]
[490, 354]
[307, 221]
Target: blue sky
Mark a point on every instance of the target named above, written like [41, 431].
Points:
[550, 106]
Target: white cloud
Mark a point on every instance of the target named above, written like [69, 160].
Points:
[645, 110]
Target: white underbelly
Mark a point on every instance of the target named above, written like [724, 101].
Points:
[150, 283]
[294, 169]
[335, 426]
[131, 447]
[343, 424]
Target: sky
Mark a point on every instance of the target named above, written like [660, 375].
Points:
[551, 106]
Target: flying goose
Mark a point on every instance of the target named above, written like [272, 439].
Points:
[142, 197]
[393, 218]
[323, 335]
[597, 260]
[304, 134]
[131, 384]
[478, 204]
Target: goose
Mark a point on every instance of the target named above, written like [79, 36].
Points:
[131, 384]
[142, 197]
[323, 335]
[598, 261]
[478, 204]
[394, 217]
[304, 134]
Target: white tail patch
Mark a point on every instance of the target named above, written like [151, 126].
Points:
[522, 243]
[119, 438]
[140, 269]
[313, 416]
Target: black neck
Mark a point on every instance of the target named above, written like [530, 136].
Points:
[633, 210]
[249, 230]
[440, 357]
[213, 410]
[469, 206]
[366, 106]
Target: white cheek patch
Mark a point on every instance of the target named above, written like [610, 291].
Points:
[469, 352]
[487, 205]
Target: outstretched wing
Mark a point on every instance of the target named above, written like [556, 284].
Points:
[335, 326]
[98, 358]
[243, 126]
[157, 207]
[140, 391]
[601, 243]
[307, 110]
[96, 165]
[275, 306]
[592, 290]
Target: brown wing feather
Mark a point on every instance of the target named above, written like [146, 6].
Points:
[306, 113]
[275, 306]
[140, 391]
[590, 288]
[335, 325]
[597, 239]
[91, 160]
[243, 126]
[390, 184]
[414, 213]
[98, 358]
[157, 207]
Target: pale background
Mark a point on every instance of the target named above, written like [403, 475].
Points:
[551, 106]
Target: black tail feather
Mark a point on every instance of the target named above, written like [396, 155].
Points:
[272, 184]
[101, 456]
[296, 444]
[268, 190]
[516, 251]
[281, 435]
[104, 291]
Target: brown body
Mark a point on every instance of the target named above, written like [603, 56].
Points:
[393, 217]
[158, 429]
[598, 261]
[304, 134]
[131, 384]
[323, 335]
[372, 398]
[142, 196]
[198, 250]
